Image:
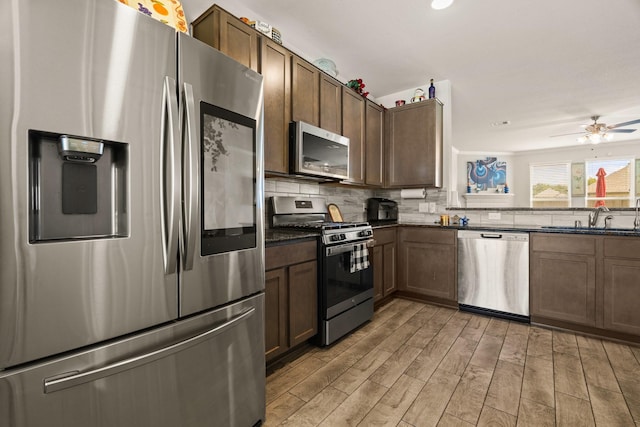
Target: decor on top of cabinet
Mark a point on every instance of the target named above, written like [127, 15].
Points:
[326, 65]
[266, 29]
[486, 174]
[166, 11]
[358, 86]
[418, 95]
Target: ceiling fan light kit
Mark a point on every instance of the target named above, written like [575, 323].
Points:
[441, 4]
[595, 138]
[596, 132]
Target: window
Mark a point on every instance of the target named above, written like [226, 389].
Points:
[615, 187]
[550, 185]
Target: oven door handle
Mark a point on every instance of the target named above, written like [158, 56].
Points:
[337, 250]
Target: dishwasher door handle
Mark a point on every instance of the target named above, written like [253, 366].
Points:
[491, 236]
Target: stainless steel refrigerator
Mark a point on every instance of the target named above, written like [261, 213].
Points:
[131, 223]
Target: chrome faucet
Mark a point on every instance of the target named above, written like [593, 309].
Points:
[636, 222]
[593, 215]
[607, 221]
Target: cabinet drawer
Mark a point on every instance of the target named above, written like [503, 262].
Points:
[622, 247]
[428, 235]
[384, 235]
[294, 253]
[564, 243]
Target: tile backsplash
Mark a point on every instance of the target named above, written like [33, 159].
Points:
[352, 203]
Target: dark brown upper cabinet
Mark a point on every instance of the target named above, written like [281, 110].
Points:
[414, 145]
[305, 87]
[229, 35]
[353, 113]
[374, 144]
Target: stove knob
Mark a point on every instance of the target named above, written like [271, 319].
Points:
[334, 237]
[343, 237]
[365, 233]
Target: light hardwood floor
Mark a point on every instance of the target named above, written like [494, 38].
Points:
[417, 364]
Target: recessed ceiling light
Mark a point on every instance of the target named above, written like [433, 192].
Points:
[441, 4]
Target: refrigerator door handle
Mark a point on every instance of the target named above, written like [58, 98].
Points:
[75, 378]
[170, 188]
[191, 174]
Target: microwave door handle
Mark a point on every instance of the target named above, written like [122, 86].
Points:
[191, 173]
[75, 378]
[170, 176]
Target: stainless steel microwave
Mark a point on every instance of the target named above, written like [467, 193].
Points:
[318, 152]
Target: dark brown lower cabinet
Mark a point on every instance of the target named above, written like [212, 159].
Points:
[303, 302]
[589, 283]
[275, 315]
[427, 264]
[291, 296]
[563, 278]
[621, 297]
[383, 261]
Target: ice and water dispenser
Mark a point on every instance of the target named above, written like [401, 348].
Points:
[77, 188]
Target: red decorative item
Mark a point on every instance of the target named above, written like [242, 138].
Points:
[358, 86]
[601, 187]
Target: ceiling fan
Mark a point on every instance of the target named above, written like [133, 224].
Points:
[598, 132]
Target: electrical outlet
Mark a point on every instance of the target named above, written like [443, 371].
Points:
[432, 207]
[423, 207]
[494, 215]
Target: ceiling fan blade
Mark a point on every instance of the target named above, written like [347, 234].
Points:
[567, 134]
[619, 125]
[621, 130]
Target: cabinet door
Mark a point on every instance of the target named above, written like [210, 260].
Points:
[229, 35]
[428, 269]
[563, 287]
[303, 302]
[389, 268]
[621, 290]
[427, 263]
[353, 128]
[414, 145]
[275, 66]
[377, 263]
[374, 119]
[275, 312]
[304, 91]
[330, 104]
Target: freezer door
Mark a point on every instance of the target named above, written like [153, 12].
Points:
[79, 271]
[223, 243]
[205, 371]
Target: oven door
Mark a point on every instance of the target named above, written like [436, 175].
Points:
[342, 289]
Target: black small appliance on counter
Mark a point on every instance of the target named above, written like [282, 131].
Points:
[381, 210]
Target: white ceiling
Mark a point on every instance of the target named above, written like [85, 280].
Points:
[545, 66]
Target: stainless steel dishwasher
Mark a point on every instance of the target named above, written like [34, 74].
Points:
[493, 273]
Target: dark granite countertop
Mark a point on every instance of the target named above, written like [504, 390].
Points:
[278, 236]
[275, 236]
[382, 224]
[535, 229]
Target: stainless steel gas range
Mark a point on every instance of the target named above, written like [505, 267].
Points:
[345, 276]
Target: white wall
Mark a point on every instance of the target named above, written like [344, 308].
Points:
[518, 164]
[461, 175]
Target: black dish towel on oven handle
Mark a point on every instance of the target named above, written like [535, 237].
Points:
[359, 257]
